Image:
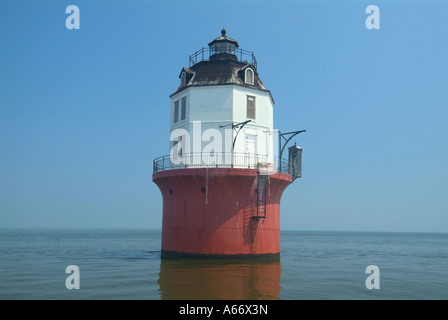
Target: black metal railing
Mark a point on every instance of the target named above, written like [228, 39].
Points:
[218, 160]
[204, 54]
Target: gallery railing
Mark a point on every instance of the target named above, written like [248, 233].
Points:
[218, 160]
[205, 54]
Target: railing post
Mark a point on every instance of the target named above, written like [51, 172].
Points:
[279, 150]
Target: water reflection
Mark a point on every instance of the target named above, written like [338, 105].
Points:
[216, 279]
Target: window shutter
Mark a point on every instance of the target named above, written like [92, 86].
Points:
[250, 107]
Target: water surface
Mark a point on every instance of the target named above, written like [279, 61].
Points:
[126, 264]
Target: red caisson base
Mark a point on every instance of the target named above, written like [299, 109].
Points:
[213, 212]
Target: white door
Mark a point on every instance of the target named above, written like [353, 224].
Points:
[251, 150]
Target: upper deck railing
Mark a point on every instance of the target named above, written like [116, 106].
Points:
[205, 54]
[219, 160]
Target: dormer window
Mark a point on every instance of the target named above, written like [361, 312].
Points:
[249, 76]
[183, 79]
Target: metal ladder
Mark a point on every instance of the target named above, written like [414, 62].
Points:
[261, 196]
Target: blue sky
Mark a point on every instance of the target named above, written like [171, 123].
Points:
[84, 112]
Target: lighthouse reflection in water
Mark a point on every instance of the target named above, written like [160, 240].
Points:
[216, 279]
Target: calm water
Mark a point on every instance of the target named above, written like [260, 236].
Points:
[126, 264]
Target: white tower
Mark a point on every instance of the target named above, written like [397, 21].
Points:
[221, 110]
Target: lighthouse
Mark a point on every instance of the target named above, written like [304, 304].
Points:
[224, 175]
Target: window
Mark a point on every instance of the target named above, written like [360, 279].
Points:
[176, 111]
[222, 47]
[180, 112]
[183, 113]
[181, 142]
[178, 147]
[250, 107]
[249, 78]
[183, 79]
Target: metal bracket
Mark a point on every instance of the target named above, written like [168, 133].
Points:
[237, 126]
[280, 148]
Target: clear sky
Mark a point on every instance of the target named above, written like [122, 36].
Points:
[84, 112]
